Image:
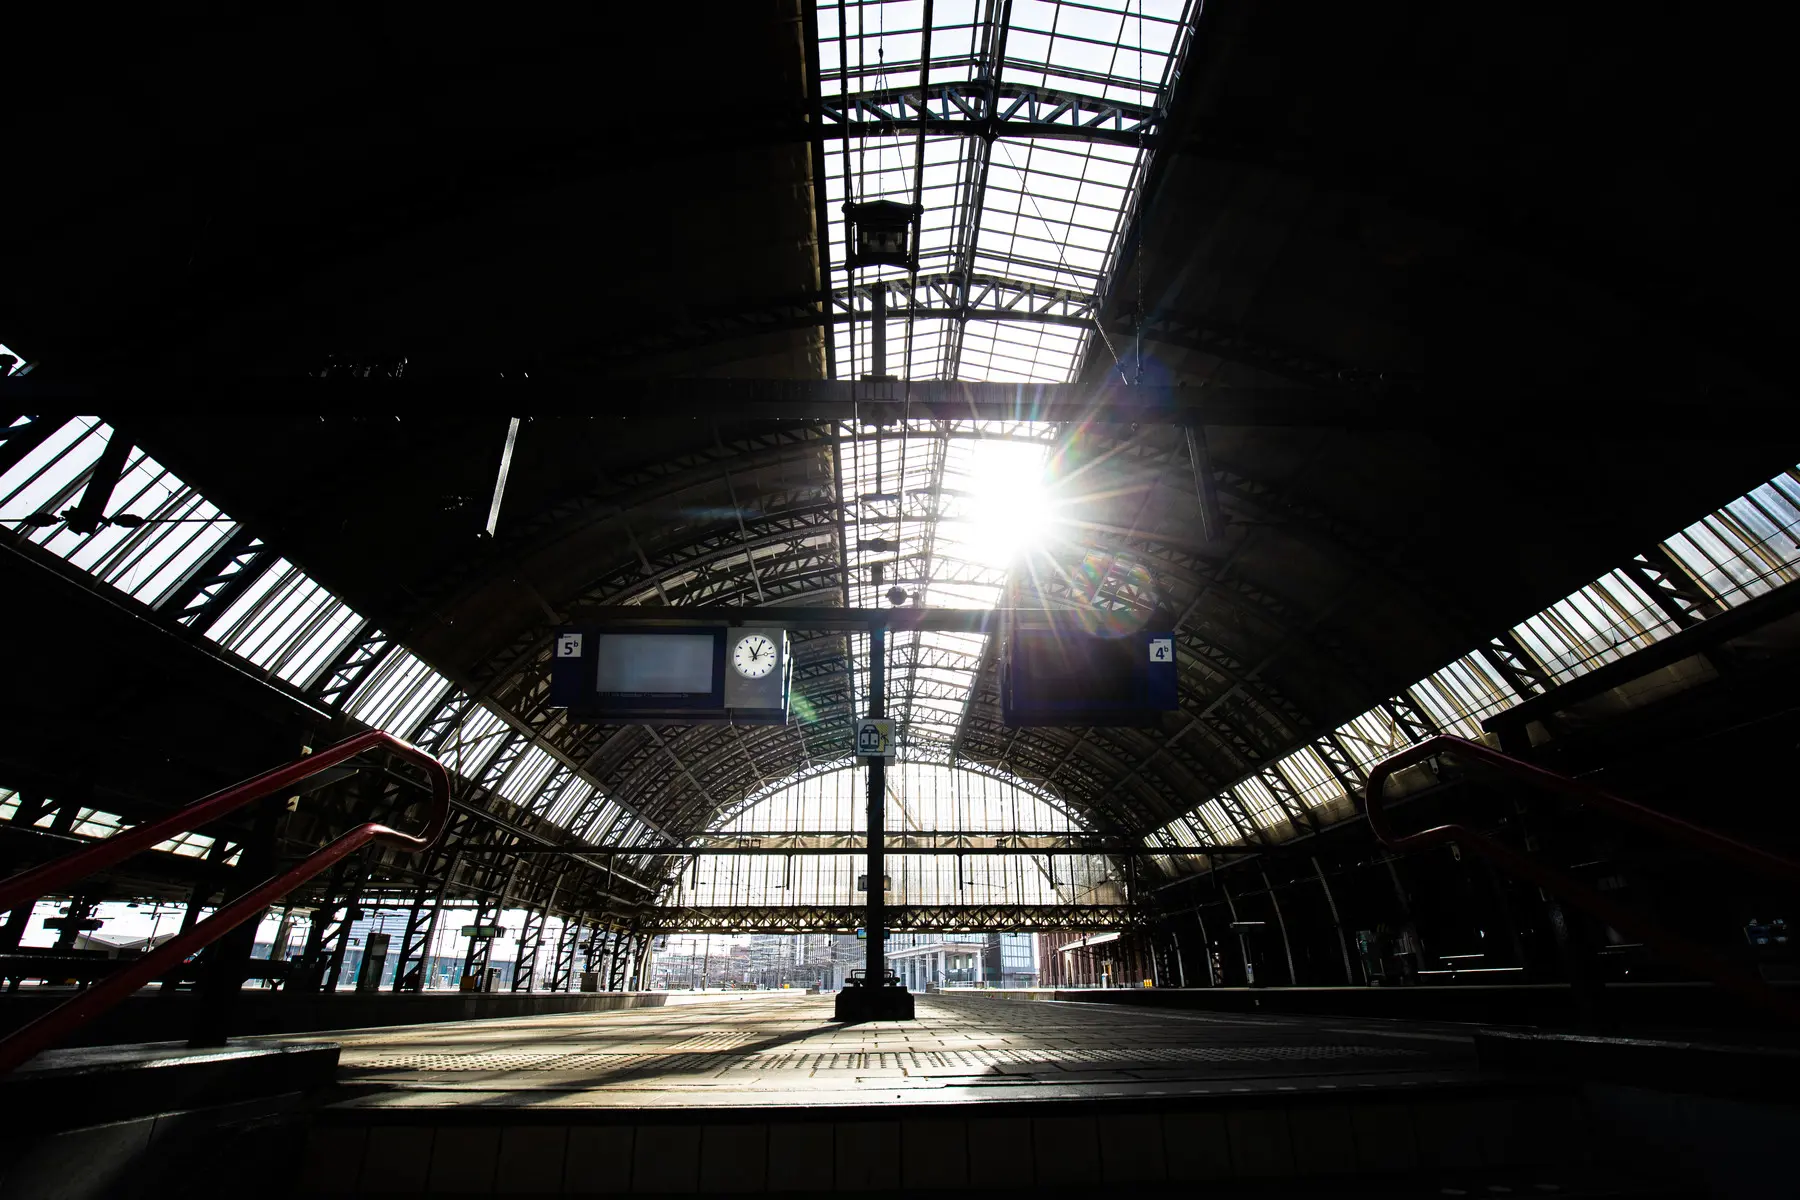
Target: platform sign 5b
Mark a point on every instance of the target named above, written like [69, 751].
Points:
[875, 738]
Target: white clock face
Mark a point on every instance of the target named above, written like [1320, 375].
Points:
[754, 656]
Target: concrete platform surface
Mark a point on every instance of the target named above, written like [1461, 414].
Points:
[786, 1050]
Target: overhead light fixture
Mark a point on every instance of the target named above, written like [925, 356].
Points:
[882, 234]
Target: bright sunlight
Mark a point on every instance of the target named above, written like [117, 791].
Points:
[1009, 510]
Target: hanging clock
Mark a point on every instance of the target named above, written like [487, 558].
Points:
[755, 656]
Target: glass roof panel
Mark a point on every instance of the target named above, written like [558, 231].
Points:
[1747, 548]
[921, 797]
[174, 526]
[283, 621]
[933, 508]
[1042, 209]
[396, 694]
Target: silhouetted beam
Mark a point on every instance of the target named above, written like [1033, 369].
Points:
[944, 620]
[1466, 407]
[858, 847]
[88, 513]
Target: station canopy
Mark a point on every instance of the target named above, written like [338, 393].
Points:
[1103, 196]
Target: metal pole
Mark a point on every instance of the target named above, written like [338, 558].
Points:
[878, 363]
[876, 920]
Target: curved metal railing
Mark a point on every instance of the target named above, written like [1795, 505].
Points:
[84, 1006]
[1652, 933]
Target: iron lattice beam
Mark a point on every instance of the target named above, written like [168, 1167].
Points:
[214, 584]
[948, 918]
[980, 108]
[910, 844]
[958, 297]
[20, 435]
[551, 392]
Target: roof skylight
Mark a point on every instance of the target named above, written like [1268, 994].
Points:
[283, 621]
[1031, 187]
[1742, 551]
[940, 509]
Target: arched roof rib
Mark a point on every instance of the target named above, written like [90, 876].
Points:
[1233, 741]
[791, 538]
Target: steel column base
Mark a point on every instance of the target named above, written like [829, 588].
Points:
[889, 1002]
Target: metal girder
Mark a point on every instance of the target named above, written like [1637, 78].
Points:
[618, 956]
[939, 295]
[19, 436]
[212, 585]
[903, 844]
[338, 679]
[966, 297]
[502, 760]
[441, 719]
[1248, 829]
[1410, 716]
[1515, 664]
[550, 790]
[409, 965]
[1298, 813]
[983, 109]
[946, 918]
[525, 963]
[1680, 596]
[1341, 764]
[957, 297]
[102, 478]
[804, 405]
[562, 970]
[480, 953]
[1238, 346]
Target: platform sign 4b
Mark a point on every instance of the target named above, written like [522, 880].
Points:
[875, 738]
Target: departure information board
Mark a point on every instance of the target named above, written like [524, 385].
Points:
[1064, 676]
[672, 674]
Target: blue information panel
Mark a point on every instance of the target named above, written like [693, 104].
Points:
[1073, 677]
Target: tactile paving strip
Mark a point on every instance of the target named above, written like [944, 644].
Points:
[856, 1060]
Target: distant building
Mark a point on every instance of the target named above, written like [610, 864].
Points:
[938, 960]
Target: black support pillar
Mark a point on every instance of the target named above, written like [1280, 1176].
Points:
[875, 964]
[870, 998]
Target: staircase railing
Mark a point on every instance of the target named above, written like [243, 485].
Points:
[1653, 934]
[28, 886]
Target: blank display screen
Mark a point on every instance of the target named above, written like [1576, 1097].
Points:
[656, 664]
[1071, 671]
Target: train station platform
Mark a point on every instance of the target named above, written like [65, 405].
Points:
[765, 1093]
[784, 1049]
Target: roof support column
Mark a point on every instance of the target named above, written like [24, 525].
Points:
[876, 963]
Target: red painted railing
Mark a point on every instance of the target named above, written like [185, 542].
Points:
[84, 1006]
[1654, 935]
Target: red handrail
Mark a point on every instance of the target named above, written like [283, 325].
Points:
[1651, 933]
[84, 1006]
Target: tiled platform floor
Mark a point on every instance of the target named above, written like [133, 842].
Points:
[785, 1050]
[767, 1094]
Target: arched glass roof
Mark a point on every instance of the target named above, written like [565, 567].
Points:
[1032, 208]
[158, 529]
[288, 624]
[922, 799]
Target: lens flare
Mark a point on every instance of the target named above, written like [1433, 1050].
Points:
[1010, 511]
